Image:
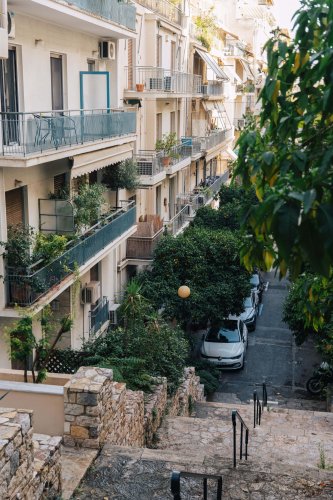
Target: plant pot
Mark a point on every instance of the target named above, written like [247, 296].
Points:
[166, 161]
[140, 87]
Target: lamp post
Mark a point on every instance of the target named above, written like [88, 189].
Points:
[184, 292]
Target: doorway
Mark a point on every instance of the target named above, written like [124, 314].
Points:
[57, 88]
[9, 98]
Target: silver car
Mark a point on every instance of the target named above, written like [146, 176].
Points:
[225, 345]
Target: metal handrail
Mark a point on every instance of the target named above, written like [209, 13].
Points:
[258, 406]
[175, 483]
[234, 416]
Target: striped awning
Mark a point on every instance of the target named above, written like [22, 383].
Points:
[96, 160]
[212, 64]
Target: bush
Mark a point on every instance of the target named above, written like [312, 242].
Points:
[209, 375]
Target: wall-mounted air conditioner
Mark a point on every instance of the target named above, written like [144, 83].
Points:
[11, 25]
[91, 292]
[113, 314]
[107, 50]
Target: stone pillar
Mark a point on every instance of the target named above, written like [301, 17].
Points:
[87, 407]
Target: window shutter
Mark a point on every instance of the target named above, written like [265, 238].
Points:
[15, 207]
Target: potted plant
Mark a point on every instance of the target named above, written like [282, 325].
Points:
[167, 146]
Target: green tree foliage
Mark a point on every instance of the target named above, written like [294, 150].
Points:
[123, 175]
[288, 156]
[88, 203]
[308, 310]
[19, 242]
[206, 261]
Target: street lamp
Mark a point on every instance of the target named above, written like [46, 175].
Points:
[184, 292]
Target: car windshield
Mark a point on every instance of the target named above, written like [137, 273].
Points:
[248, 303]
[227, 333]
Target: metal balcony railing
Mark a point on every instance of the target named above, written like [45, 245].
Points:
[167, 9]
[26, 286]
[143, 243]
[116, 11]
[215, 138]
[148, 162]
[180, 220]
[98, 316]
[202, 194]
[160, 80]
[36, 132]
[213, 88]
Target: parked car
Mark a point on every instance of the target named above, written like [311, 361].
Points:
[257, 285]
[250, 313]
[225, 345]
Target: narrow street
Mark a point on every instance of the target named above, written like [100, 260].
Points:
[273, 357]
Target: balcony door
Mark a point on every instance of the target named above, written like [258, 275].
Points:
[15, 206]
[57, 88]
[9, 98]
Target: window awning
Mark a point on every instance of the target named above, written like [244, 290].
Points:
[218, 111]
[88, 162]
[210, 61]
[247, 69]
[229, 154]
[231, 73]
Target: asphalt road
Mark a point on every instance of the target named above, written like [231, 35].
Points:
[273, 357]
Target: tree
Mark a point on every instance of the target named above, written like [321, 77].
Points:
[288, 156]
[208, 262]
[123, 175]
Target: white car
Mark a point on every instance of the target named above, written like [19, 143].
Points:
[250, 313]
[225, 345]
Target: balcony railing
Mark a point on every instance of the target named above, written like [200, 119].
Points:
[165, 8]
[180, 220]
[32, 133]
[143, 243]
[152, 79]
[148, 162]
[215, 138]
[26, 286]
[202, 195]
[116, 11]
[98, 316]
[213, 88]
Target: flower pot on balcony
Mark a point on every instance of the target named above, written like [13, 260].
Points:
[140, 87]
[166, 161]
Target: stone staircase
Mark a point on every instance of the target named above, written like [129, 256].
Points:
[283, 462]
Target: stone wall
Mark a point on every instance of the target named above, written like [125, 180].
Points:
[189, 391]
[155, 406]
[99, 410]
[28, 470]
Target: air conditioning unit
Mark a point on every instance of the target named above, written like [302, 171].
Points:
[11, 25]
[113, 314]
[91, 292]
[107, 50]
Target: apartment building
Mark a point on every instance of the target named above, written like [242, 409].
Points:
[62, 122]
[83, 86]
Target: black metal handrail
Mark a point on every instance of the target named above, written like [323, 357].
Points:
[236, 416]
[175, 483]
[258, 406]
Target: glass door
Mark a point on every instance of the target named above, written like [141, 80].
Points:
[9, 98]
[57, 90]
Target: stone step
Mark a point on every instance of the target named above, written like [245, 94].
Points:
[125, 473]
[281, 443]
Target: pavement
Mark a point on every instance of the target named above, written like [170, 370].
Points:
[273, 357]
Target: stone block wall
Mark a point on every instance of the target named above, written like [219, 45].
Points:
[189, 391]
[22, 474]
[155, 406]
[99, 410]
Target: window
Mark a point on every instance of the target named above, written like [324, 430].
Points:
[158, 51]
[173, 121]
[159, 126]
[57, 90]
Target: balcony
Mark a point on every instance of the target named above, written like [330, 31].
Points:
[98, 316]
[166, 9]
[142, 244]
[150, 167]
[214, 139]
[239, 123]
[202, 195]
[26, 286]
[213, 88]
[180, 221]
[161, 81]
[35, 133]
[102, 18]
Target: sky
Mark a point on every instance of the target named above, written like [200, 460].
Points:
[284, 10]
